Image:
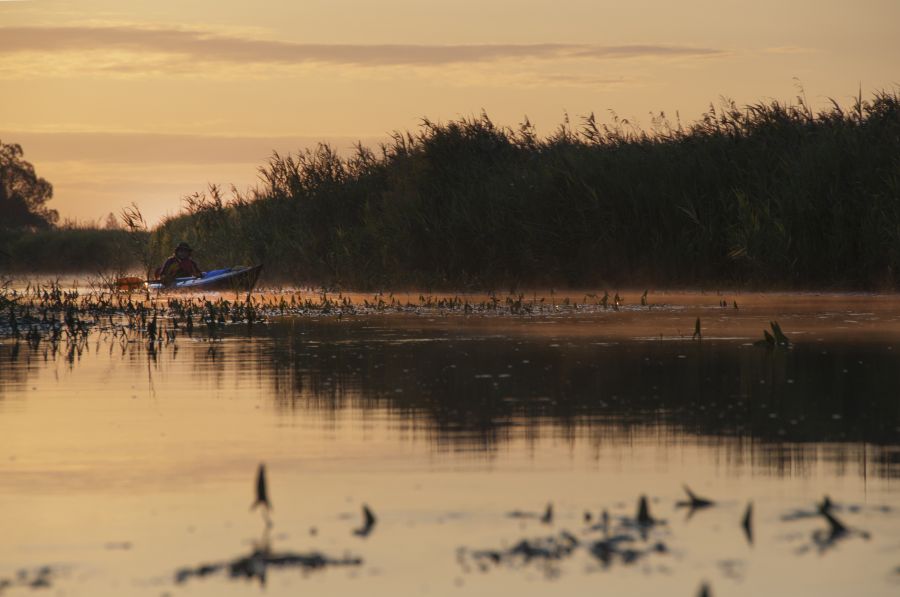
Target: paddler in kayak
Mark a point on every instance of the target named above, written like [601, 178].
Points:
[179, 265]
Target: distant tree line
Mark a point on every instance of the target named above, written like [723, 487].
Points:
[32, 242]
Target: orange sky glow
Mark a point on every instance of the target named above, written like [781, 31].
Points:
[118, 102]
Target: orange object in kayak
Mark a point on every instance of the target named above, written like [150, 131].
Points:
[129, 283]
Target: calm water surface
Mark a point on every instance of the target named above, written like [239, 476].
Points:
[121, 466]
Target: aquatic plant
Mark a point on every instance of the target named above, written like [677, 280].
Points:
[776, 339]
[369, 521]
[694, 502]
[747, 523]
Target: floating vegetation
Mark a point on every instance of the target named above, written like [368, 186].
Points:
[262, 557]
[836, 531]
[694, 502]
[776, 339]
[632, 539]
[544, 549]
[546, 517]
[626, 543]
[257, 563]
[624, 548]
[39, 578]
[368, 525]
[828, 505]
[747, 523]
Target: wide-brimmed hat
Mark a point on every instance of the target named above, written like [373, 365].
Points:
[185, 246]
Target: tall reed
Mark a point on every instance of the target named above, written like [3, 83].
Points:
[770, 193]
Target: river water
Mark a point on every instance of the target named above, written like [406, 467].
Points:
[125, 469]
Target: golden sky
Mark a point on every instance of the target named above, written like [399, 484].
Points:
[115, 102]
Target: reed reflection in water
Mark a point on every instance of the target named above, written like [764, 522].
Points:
[785, 409]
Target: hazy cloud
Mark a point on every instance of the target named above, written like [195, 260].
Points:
[158, 148]
[210, 47]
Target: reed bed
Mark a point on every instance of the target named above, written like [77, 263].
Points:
[768, 194]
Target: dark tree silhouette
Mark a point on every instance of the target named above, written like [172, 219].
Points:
[23, 195]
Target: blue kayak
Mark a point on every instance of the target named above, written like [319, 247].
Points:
[236, 279]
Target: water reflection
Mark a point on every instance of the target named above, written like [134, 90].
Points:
[465, 389]
[783, 409]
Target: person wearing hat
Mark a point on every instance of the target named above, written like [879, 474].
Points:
[179, 265]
